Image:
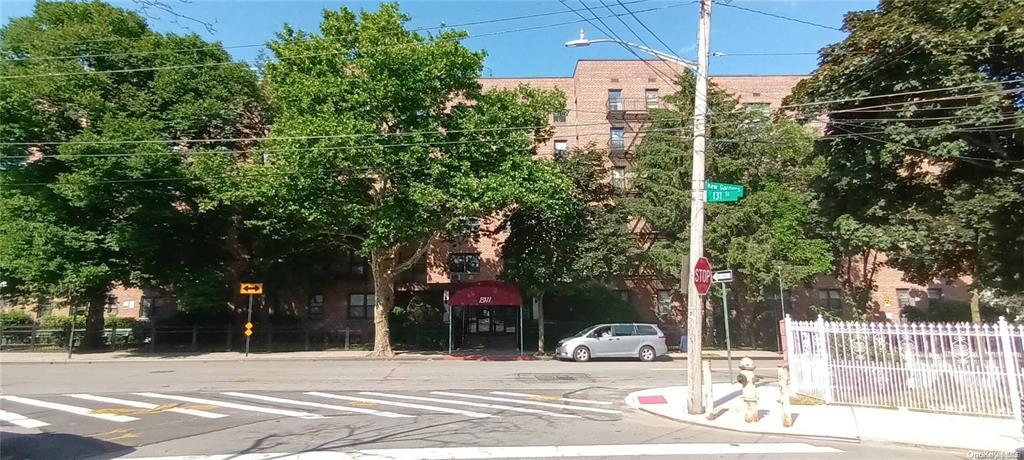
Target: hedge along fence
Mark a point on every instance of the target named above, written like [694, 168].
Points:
[20, 331]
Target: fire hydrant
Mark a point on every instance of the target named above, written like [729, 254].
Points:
[747, 379]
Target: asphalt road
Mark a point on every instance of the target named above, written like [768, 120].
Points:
[369, 409]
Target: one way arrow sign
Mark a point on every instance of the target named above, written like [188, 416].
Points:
[721, 276]
[251, 288]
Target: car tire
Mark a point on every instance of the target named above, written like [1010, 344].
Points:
[647, 353]
[581, 354]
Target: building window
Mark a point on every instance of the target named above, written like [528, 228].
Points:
[44, 306]
[471, 225]
[111, 306]
[831, 299]
[615, 99]
[664, 302]
[934, 294]
[558, 117]
[353, 264]
[316, 306]
[360, 306]
[147, 305]
[617, 139]
[772, 300]
[903, 298]
[651, 98]
[619, 178]
[464, 263]
[128, 304]
[561, 147]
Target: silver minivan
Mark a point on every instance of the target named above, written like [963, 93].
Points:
[644, 341]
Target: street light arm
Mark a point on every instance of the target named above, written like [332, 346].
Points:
[583, 41]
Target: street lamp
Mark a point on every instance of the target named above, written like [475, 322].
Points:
[584, 41]
[694, 303]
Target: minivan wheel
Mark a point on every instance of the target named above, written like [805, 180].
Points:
[581, 354]
[647, 353]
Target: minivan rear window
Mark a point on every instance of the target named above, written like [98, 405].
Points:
[643, 329]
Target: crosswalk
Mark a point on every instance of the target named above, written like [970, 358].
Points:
[42, 411]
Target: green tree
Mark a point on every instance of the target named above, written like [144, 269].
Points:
[375, 148]
[773, 226]
[933, 178]
[92, 193]
[586, 241]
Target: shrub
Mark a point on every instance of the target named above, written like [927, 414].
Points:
[120, 322]
[15, 318]
[61, 321]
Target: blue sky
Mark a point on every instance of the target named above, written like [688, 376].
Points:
[540, 52]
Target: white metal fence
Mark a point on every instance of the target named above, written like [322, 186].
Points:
[956, 368]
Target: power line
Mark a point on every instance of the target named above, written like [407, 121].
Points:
[611, 33]
[185, 66]
[905, 93]
[630, 29]
[262, 45]
[648, 29]
[779, 16]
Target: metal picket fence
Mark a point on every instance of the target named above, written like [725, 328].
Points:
[954, 368]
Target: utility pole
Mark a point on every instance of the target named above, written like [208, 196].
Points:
[694, 304]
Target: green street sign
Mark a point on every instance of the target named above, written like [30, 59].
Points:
[718, 192]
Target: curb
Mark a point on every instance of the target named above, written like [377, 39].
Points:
[733, 430]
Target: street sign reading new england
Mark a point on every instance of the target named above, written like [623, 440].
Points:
[719, 192]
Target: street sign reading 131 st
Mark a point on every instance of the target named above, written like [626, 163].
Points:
[718, 192]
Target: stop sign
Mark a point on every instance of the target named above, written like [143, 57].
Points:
[702, 275]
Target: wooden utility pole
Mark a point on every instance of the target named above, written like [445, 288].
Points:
[694, 303]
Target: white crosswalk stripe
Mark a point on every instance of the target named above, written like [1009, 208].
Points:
[20, 420]
[551, 398]
[401, 404]
[468, 403]
[357, 410]
[70, 409]
[231, 405]
[532, 403]
[146, 405]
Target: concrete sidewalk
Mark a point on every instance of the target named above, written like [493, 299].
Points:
[19, 357]
[836, 422]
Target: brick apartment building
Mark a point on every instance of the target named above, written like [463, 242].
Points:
[607, 102]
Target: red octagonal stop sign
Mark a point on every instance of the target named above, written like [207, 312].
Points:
[702, 275]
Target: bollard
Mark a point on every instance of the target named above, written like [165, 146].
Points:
[195, 336]
[228, 329]
[346, 338]
[748, 380]
[152, 337]
[709, 394]
[305, 337]
[787, 415]
[32, 340]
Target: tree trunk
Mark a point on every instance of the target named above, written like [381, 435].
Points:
[93, 338]
[538, 306]
[383, 264]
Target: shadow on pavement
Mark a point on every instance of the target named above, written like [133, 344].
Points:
[17, 446]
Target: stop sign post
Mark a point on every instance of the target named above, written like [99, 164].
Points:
[702, 275]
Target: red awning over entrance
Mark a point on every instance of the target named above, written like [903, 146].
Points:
[487, 294]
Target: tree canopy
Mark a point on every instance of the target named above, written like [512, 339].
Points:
[95, 180]
[773, 227]
[924, 145]
[384, 141]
